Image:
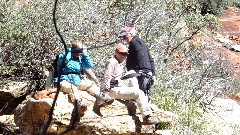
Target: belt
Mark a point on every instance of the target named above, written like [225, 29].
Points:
[143, 71]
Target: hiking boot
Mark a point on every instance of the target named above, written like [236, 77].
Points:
[81, 108]
[101, 100]
[149, 120]
[96, 109]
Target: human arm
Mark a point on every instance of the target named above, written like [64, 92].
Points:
[107, 75]
[151, 59]
[143, 59]
[91, 76]
[87, 67]
[86, 61]
[136, 50]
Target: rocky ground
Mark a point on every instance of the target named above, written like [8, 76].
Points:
[225, 43]
[230, 20]
[224, 113]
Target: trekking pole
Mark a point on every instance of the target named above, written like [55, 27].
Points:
[95, 47]
[45, 126]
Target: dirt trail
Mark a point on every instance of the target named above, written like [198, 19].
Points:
[230, 20]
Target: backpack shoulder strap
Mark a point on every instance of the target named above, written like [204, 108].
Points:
[55, 74]
[81, 59]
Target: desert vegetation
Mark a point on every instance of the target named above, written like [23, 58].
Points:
[186, 79]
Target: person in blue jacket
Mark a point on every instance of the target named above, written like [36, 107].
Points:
[77, 62]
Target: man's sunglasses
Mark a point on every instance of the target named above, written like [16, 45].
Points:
[123, 37]
[77, 50]
[123, 54]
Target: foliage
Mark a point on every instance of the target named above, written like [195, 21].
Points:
[212, 6]
[186, 79]
[233, 3]
[188, 94]
[216, 6]
[26, 42]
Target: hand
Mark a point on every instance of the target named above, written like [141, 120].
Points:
[125, 77]
[106, 90]
[97, 83]
[106, 93]
[113, 83]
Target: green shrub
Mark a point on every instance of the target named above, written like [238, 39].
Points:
[29, 44]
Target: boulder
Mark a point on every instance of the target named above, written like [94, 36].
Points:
[119, 117]
[11, 96]
[236, 48]
[224, 117]
[7, 125]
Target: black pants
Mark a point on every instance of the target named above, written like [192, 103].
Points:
[143, 83]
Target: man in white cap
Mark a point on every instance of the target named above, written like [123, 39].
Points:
[119, 89]
[139, 58]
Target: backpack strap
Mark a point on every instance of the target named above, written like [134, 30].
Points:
[145, 87]
[130, 76]
[135, 75]
[54, 65]
[81, 59]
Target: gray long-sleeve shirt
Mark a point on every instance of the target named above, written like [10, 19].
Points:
[113, 69]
